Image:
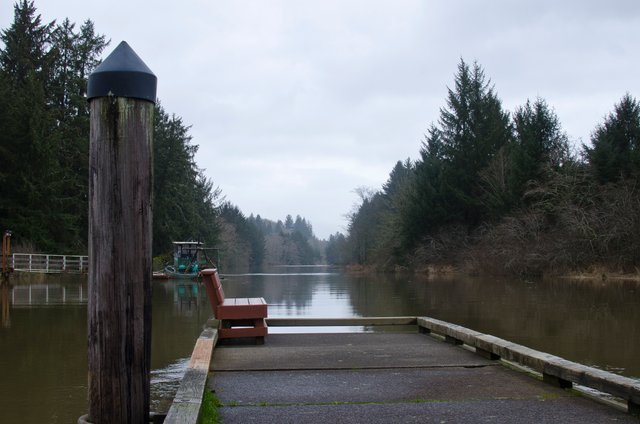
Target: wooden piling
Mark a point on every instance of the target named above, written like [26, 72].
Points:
[5, 272]
[6, 253]
[121, 93]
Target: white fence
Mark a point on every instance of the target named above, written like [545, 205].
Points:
[29, 262]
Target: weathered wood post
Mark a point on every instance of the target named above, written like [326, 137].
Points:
[4, 280]
[6, 252]
[121, 93]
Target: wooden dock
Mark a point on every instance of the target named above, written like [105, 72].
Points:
[440, 373]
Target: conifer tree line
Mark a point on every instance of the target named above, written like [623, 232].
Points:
[501, 192]
[45, 128]
[253, 241]
[291, 242]
[44, 117]
[44, 145]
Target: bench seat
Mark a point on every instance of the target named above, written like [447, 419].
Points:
[239, 316]
[242, 308]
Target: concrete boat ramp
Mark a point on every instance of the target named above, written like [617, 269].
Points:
[398, 377]
[384, 378]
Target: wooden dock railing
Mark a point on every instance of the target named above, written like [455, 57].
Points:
[554, 370]
[30, 262]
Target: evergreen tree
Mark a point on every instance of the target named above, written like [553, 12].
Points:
[336, 250]
[301, 226]
[306, 253]
[539, 145]
[46, 123]
[27, 201]
[615, 151]
[397, 180]
[444, 186]
[423, 207]
[395, 196]
[472, 129]
[364, 224]
[44, 136]
[288, 223]
[294, 246]
[74, 55]
[184, 199]
[248, 241]
[7, 168]
[25, 58]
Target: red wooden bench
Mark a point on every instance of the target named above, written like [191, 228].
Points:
[240, 317]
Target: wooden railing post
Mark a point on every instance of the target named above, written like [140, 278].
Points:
[121, 93]
[6, 253]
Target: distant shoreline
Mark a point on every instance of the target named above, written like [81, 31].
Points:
[593, 274]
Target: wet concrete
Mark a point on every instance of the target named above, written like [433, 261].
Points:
[385, 377]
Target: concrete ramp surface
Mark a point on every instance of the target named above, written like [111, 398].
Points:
[385, 378]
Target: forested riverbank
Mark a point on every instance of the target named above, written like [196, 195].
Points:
[492, 191]
[44, 139]
[504, 193]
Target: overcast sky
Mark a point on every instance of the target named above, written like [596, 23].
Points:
[296, 103]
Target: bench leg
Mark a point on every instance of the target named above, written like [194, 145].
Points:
[255, 327]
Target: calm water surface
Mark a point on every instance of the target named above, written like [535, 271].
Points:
[43, 365]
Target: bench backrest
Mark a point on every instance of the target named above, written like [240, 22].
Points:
[212, 284]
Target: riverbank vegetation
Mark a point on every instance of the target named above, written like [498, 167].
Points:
[44, 117]
[44, 140]
[492, 191]
[504, 193]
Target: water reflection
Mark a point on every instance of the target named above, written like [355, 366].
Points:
[43, 352]
[4, 304]
[48, 295]
[594, 323]
[43, 357]
[296, 293]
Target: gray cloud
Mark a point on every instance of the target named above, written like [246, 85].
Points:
[294, 104]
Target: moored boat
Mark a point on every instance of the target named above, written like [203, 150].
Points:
[189, 258]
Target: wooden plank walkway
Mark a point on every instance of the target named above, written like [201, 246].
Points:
[403, 377]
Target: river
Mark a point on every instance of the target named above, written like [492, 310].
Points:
[43, 365]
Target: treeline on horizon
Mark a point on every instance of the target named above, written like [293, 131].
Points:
[491, 191]
[504, 193]
[255, 241]
[44, 145]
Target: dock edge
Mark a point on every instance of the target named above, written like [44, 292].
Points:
[187, 403]
[554, 369]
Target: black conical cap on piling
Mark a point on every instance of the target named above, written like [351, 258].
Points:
[123, 74]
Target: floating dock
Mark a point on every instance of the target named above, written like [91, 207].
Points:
[396, 377]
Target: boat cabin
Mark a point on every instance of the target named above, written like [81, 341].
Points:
[188, 256]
